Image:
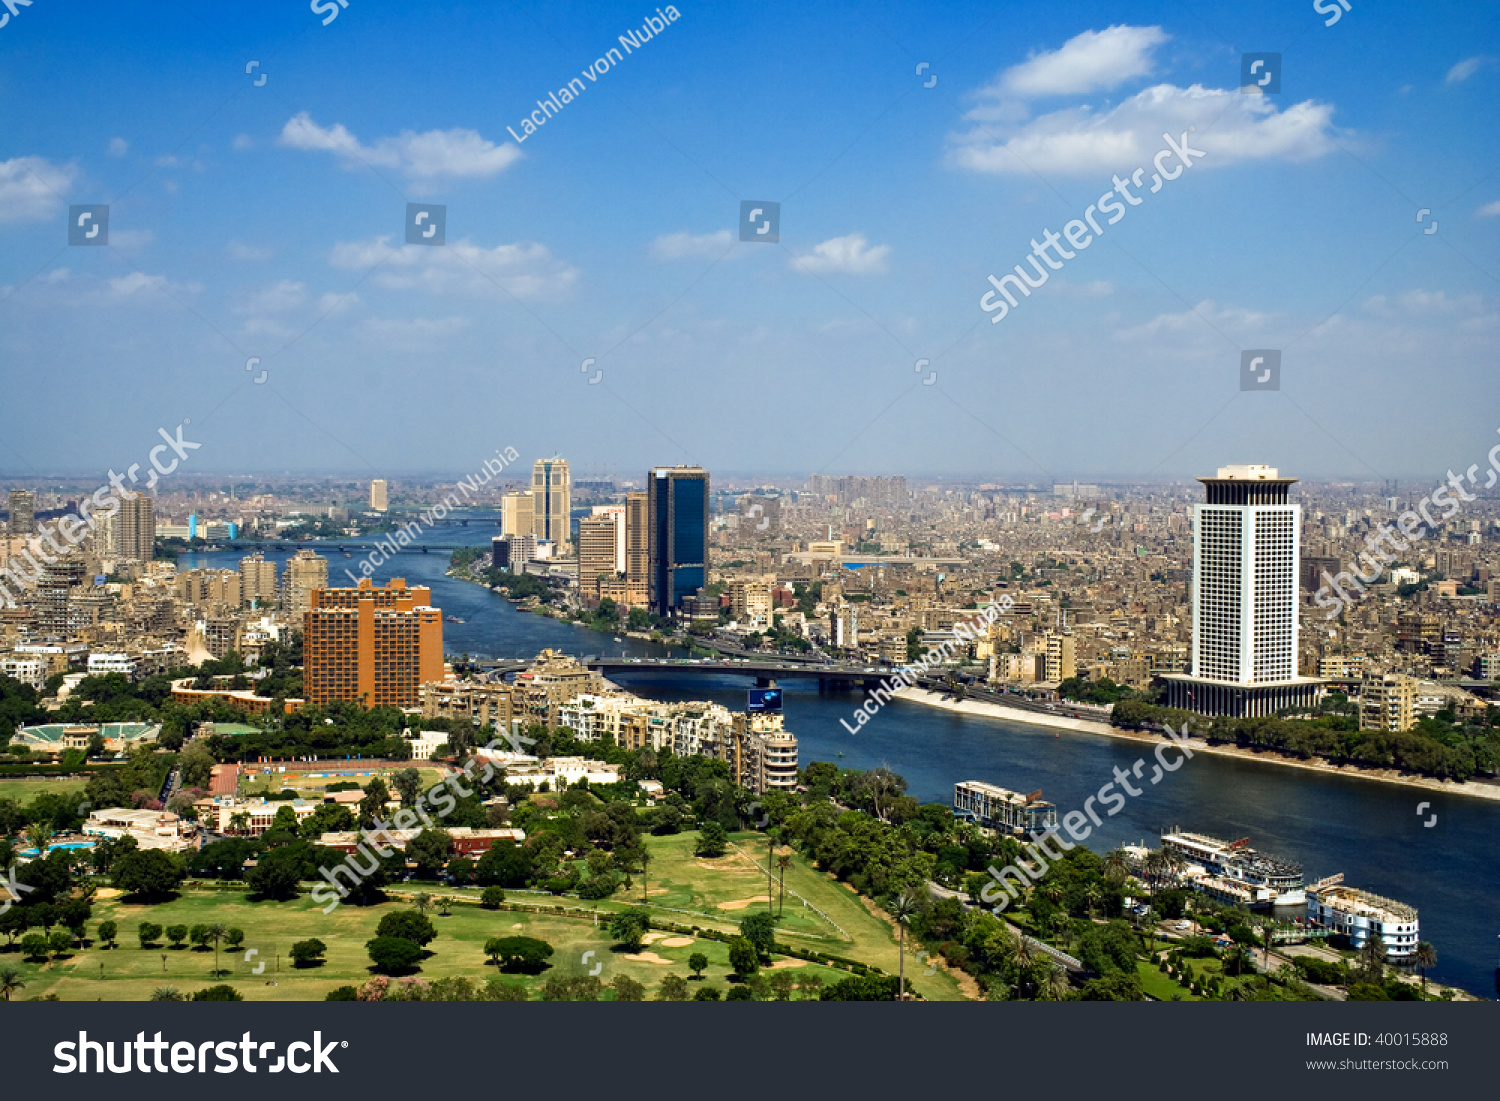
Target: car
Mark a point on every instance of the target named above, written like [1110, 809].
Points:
[1184, 925]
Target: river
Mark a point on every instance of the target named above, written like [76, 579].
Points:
[1370, 831]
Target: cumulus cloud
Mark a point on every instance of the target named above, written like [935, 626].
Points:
[1078, 141]
[279, 297]
[1489, 210]
[681, 246]
[521, 270]
[32, 188]
[126, 285]
[1418, 302]
[434, 156]
[1202, 320]
[1465, 69]
[851, 255]
[118, 147]
[1090, 62]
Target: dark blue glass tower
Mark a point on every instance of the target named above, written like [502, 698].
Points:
[678, 515]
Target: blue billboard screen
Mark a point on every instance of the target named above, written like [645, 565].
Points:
[765, 699]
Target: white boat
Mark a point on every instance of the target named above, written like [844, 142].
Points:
[1269, 880]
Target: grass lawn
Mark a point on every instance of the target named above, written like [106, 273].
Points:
[255, 782]
[715, 893]
[23, 791]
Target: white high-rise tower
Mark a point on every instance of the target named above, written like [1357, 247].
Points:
[1246, 565]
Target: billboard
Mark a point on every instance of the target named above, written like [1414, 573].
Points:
[765, 699]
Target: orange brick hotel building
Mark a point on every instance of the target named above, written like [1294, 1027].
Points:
[371, 646]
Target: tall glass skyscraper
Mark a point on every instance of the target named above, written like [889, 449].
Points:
[1245, 591]
[678, 518]
[552, 497]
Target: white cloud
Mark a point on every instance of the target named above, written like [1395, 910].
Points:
[1230, 125]
[280, 297]
[130, 242]
[237, 250]
[1488, 210]
[416, 332]
[1201, 321]
[118, 147]
[1090, 62]
[521, 270]
[1465, 69]
[1418, 302]
[243, 141]
[851, 255]
[680, 246]
[127, 285]
[32, 188]
[429, 157]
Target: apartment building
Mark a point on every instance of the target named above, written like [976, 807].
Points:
[599, 537]
[372, 646]
[258, 588]
[1387, 702]
[135, 528]
[305, 572]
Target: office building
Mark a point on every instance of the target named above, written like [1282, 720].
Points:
[618, 512]
[22, 512]
[257, 581]
[678, 519]
[135, 528]
[380, 499]
[509, 552]
[1245, 599]
[518, 514]
[305, 571]
[638, 549]
[371, 646]
[598, 543]
[552, 493]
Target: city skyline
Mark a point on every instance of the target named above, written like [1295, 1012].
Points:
[1342, 221]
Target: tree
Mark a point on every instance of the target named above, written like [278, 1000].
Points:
[151, 875]
[902, 908]
[783, 862]
[221, 993]
[1426, 959]
[108, 930]
[740, 993]
[35, 946]
[394, 955]
[216, 933]
[167, 994]
[197, 765]
[629, 927]
[61, 942]
[674, 988]
[697, 962]
[422, 901]
[1372, 956]
[491, 897]
[372, 806]
[759, 929]
[408, 925]
[527, 955]
[743, 957]
[308, 953]
[234, 937]
[707, 994]
[429, 851]
[149, 932]
[628, 990]
[712, 841]
[277, 873]
[177, 934]
[10, 981]
[408, 784]
[198, 935]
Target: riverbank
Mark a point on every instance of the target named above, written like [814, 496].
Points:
[985, 709]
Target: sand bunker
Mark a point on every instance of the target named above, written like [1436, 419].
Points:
[645, 957]
[788, 963]
[677, 942]
[741, 903]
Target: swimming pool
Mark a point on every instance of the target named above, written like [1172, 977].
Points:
[61, 845]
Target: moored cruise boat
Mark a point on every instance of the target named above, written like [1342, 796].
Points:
[1270, 880]
[1359, 915]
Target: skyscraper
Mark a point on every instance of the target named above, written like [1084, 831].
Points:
[379, 495]
[678, 518]
[552, 491]
[257, 581]
[135, 528]
[1245, 599]
[596, 551]
[371, 646]
[618, 512]
[518, 513]
[305, 571]
[22, 512]
[638, 547]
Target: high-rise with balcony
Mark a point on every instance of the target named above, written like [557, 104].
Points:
[305, 571]
[371, 646]
[1245, 593]
[597, 545]
[678, 519]
[135, 528]
[257, 581]
[638, 548]
[22, 512]
[552, 493]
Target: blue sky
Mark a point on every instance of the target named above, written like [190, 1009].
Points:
[268, 222]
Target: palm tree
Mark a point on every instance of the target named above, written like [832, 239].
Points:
[444, 905]
[1372, 957]
[1055, 986]
[217, 932]
[10, 981]
[902, 908]
[1022, 958]
[166, 994]
[239, 822]
[1426, 958]
[1116, 867]
[37, 835]
[645, 862]
[783, 862]
[1092, 896]
[422, 902]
